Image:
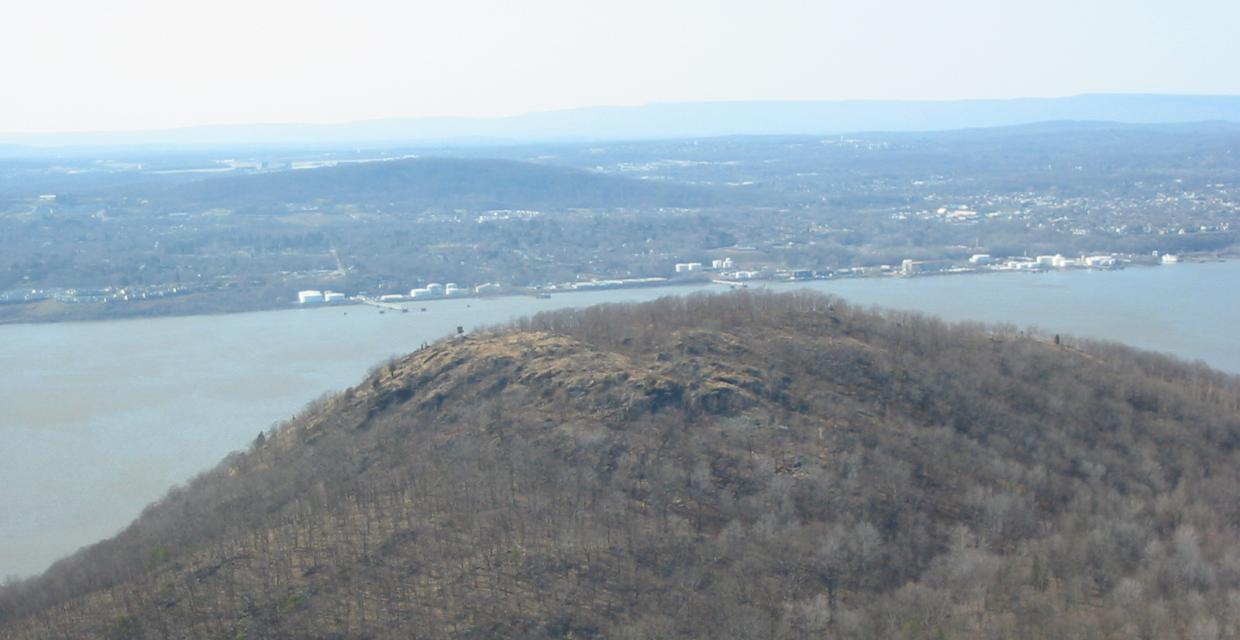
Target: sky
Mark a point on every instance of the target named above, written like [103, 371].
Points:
[97, 65]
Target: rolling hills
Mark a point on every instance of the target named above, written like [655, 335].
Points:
[742, 465]
[427, 183]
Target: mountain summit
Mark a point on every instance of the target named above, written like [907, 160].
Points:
[742, 465]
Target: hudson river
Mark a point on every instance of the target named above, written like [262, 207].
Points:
[98, 419]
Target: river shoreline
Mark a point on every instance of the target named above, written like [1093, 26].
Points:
[209, 304]
[102, 417]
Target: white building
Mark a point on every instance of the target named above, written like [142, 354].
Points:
[914, 267]
[333, 296]
[309, 296]
[452, 289]
[1169, 258]
[432, 290]
[980, 259]
[686, 267]
[1098, 262]
[725, 263]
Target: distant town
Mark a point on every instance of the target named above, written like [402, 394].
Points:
[143, 232]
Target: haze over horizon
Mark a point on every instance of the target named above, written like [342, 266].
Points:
[142, 65]
[672, 120]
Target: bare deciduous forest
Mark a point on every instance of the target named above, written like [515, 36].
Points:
[745, 465]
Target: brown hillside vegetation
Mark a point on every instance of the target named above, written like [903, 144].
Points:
[747, 465]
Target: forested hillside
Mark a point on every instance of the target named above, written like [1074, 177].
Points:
[747, 465]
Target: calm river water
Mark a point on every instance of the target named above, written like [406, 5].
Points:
[98, 419]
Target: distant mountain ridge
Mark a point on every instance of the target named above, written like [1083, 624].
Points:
[683, 119]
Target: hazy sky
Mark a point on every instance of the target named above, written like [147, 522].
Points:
[114, 64]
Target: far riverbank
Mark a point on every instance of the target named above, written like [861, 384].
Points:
[222, 302]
